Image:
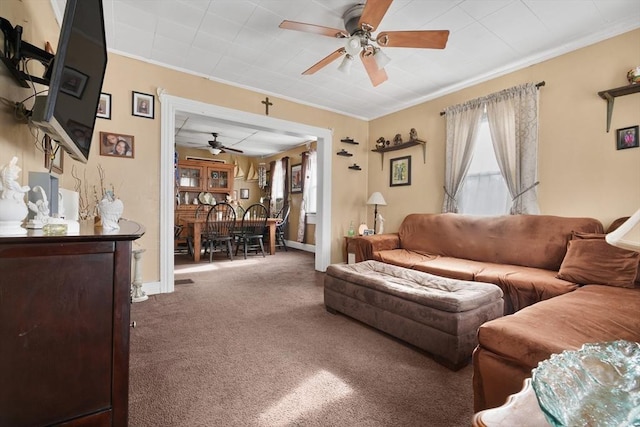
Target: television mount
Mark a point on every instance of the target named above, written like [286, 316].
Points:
[15, 49]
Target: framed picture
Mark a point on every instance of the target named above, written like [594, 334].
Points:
[296, 178]
[104, 106]
[118, 145]
[368, 232]
[53, 158]
[142, 105]
[73, 82]
[627, 138]
[244, 193]
[400, 173]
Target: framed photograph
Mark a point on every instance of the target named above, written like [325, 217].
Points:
[53, 159]
[73, 82]
[627, 138]
[296, 178]
[142, 105]
[400, 171]
[104, 106]
[244, 193]
[368, 232]
[116, 144]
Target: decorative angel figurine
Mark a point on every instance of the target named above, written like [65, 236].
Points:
[40, 208]
[13, 209]
[9, 188]
[380, 221]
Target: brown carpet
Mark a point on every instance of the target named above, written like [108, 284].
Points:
[249, 343]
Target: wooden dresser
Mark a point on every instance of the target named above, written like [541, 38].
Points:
[64, 327]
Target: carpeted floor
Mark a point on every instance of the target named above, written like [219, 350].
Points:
[249, 343]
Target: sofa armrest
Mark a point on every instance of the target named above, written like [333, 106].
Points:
[365, 246]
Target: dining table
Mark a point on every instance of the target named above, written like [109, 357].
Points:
[195, 225]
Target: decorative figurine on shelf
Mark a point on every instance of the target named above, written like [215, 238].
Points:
[413, 134]
[13, 209]
[380, 142]
[110, 210]
[397, 140]
[40, 208]
[380, 221]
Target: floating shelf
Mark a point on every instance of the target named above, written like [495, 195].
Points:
[610, 94]
[348, 140]
[355, 167]
[344, 152]
[402, 146]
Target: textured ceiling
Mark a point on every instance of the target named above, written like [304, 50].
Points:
[239, 42]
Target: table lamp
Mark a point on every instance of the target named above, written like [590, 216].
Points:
[376, 199]
[627, 236]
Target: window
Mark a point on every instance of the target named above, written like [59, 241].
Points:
[312, 192]
[484, 191]
[277, 181]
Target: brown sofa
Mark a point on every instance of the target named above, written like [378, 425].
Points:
[563, 284]
[520, 253]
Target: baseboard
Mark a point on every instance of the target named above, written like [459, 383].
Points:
[151, 288]
[301, 246]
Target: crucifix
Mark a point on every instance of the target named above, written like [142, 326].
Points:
[266, 105]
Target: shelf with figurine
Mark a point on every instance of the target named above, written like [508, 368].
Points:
[383, 146]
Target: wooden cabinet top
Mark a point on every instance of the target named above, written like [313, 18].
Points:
[206, 164]
[129, 230]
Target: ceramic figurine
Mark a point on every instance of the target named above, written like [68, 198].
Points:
[13, 209]
[40, 208]
[397, 140]
[380, 221]
[380, 142]
[110, 210]
[413, 134]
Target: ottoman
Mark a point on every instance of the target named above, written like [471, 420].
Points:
[438, 315]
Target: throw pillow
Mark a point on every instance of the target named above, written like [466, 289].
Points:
[591, 260]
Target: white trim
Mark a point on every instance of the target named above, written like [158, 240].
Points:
[301, 246]
[311, 218]
[172, 104]
[151, 288]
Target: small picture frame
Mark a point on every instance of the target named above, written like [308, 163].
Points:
[142, 105]
[368, 232]
[73, 82]
[244, 193]
[104, 106]
[296, 178]
[53, 158]
[400, 171]
[117, 145]
[627, 138]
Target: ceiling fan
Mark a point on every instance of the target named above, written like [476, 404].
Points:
[359, 22]
[216, 147]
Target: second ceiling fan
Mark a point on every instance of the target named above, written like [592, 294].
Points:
[359, 22]
[216, 147]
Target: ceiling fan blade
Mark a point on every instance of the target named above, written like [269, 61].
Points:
[421, 39]
[377, 76]
[373, 13]
[325, 61]
[314, 29]
[231, 149]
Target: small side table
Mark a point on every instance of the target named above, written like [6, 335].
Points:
[349, 258]
[137, 294]
[520, 409]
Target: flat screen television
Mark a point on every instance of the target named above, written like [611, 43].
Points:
[68, 112]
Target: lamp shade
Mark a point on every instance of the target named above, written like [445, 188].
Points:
[627, 236]
[381, 59]
[345, 66]
[215, 151]
[376, 199]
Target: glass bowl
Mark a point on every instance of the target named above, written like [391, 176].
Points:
[597, 385]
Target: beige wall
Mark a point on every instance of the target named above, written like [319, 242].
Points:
[581, 173]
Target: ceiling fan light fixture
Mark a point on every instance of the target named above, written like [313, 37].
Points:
[353, 45]
[345, 66]
[381, 58]
[215, 151]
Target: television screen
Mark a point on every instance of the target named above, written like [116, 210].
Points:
[68, 112]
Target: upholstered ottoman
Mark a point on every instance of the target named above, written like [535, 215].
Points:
[438, 315]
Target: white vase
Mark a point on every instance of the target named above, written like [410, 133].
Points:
[110, 213]
[12, 213]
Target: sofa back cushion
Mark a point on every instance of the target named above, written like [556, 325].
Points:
[538, 241]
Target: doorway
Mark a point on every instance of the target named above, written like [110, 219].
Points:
[170, 106]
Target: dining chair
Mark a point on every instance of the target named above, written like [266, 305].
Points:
[219, 230]
[281, 225]
[251, 233]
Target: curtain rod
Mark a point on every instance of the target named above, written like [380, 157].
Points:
[538, 85]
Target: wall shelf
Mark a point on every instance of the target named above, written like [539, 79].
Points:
[344, 152]
[610, 94]
[348, 140]
[355, 167]
[402, 146]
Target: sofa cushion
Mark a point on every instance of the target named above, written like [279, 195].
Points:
[523, 286]
[538, 241]
[591, 260]
[592, 313]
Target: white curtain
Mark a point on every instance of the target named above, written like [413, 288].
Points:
[463, 122]
[513, 121]
[309, 161]
[277, 184]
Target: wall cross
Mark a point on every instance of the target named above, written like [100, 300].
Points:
[266, 105]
